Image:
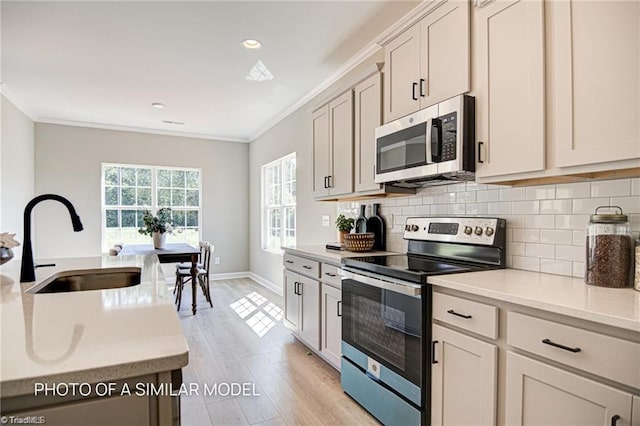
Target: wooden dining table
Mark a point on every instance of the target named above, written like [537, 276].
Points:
[171, 253]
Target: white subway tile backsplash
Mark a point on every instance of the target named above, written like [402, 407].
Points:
[488, 196]
[628, 204]
[556, 206]
[574, 253]
[543, 221]
[526, 235]
[526, 207]
[611, 188]
[556, 236]
[558, 267]
[540, 250]
[573, 190]
[544, 192]
[513, 194]
[588, 205]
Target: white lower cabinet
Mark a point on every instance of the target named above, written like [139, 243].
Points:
[302, 307]
[331, 324]
[463, 379]
[539, 394]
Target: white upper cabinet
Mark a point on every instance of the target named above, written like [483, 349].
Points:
[429, 62]
[368, 116]
[595, 53]
[321, 151]
[509, 64]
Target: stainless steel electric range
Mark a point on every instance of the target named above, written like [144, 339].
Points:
[386, 312]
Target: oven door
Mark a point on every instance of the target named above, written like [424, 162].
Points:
[384, 320]
[403, 147]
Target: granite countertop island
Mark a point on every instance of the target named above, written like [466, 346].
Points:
[86, 336]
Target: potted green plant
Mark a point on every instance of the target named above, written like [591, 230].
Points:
[344, 225]
[158, 226]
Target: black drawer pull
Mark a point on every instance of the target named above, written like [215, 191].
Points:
[452, 312]
[330, 274]
[480, 143]
[289, 261]
[558, 345]
[614, 420]
[306, 267]
[433, 352]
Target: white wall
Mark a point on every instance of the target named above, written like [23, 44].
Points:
[545, 224]
[68, 162]
[17, 168]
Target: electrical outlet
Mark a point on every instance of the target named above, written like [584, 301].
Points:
[326, 221]
[216, 260]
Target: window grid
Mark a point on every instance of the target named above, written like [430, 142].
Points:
[279, 200]
[129, 190]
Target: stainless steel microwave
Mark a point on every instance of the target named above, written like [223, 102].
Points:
[435, 143]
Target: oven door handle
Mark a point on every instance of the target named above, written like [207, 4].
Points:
[409, 289]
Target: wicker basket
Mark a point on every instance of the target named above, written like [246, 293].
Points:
[359, 242]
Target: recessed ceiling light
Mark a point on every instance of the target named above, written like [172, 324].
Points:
[158, 105]
[252, 44]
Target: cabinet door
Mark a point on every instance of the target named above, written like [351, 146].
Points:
[331, 324]
[538, 394]
[509, 86]
[444, 53]
[635, 415]
[402, 74]
[368, 116]
[291, 300]
[595, 48]
[341, 147]
[463, 381]
[321, 151]
[309, 325]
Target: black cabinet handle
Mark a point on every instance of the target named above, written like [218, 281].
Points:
[413, 91]
[339, 308]
[614, 420]
[422, 87]
[289, 261]
[330, 181]
[306, 267]
[330, 274]
[558, 345]
[433, 352]
[326, 185]
[452, 312]
[295, 288]
[480, 144]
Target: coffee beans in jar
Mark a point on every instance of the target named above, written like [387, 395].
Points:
[609, 259]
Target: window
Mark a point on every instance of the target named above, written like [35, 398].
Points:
[279, 204]
[127, 191]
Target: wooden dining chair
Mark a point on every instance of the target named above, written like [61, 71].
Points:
[185, 265]
[183, 275]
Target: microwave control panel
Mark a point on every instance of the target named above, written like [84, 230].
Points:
[444, 137]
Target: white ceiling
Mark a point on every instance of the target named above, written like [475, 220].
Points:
[104, 63]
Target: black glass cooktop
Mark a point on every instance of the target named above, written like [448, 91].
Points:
[410, 268]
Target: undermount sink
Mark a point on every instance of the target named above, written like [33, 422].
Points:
[91, 279]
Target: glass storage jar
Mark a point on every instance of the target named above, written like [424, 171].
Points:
[609, 249]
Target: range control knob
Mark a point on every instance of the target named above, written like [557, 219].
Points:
[468, 230]
[407, 228]
[415, 228]
[478, 230]
[489, 231]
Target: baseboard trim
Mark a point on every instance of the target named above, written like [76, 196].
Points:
[246, 274]
[266, 283]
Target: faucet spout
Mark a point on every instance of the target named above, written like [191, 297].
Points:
[27, 270]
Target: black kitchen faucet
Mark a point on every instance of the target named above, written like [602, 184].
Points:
[27, 270]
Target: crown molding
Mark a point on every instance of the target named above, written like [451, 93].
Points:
[140, 130]
[16, 101]
[413, 16]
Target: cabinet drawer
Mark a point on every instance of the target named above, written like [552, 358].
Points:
[466, 314]
[331, 275]
[602, 355]
[306, 267]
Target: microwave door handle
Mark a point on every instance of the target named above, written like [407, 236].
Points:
[429, 158]
[437, 125]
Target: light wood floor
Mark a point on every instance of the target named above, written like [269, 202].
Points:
[295, 386]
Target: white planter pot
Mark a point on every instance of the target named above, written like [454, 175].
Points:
[159, 240]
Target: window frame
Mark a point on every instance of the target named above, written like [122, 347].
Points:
[154, 196]
[264, 207]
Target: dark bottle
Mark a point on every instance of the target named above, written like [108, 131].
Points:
[376, 225]
[361, 221]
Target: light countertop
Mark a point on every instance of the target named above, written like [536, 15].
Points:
[554, 293]
[87, 336]
[330, 256]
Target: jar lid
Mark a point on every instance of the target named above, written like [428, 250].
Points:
[609, 217]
